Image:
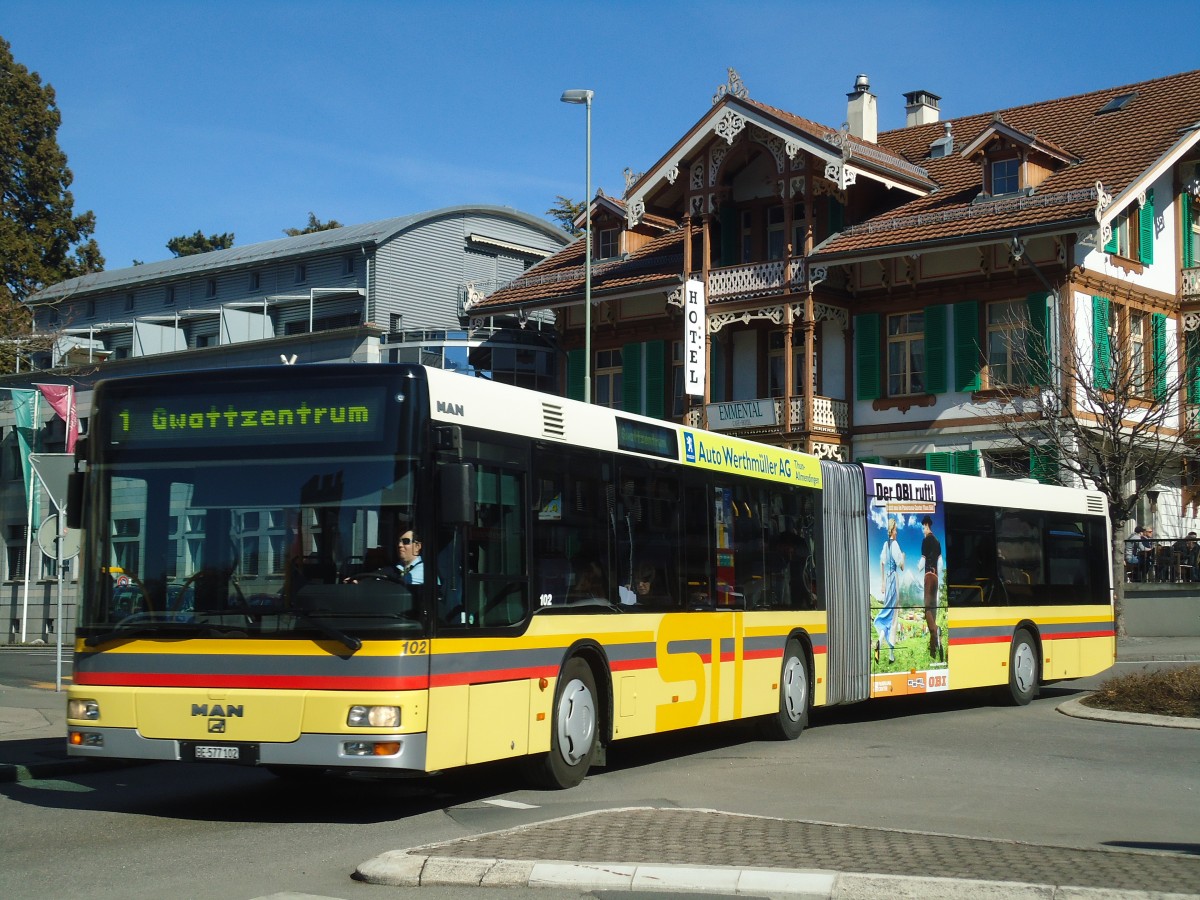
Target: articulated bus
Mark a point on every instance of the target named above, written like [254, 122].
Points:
[399, 569]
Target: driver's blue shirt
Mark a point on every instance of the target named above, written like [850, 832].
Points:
[414, 574]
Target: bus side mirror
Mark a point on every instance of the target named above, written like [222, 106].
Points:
[457, 498]
[76, 483]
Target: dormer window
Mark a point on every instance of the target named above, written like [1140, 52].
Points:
[610, 243]
[1014, 161]
[1006, 176]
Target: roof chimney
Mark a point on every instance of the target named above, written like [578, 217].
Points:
[921, 108]
[862, 115]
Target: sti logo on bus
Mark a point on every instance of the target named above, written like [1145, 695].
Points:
[450, 409]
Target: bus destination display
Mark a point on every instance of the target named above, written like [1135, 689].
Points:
[311, 416]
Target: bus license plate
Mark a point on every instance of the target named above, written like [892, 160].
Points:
[246, 754]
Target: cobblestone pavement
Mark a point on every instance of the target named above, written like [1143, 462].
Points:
[698, 837]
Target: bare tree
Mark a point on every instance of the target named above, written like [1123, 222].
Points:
[1105, 408]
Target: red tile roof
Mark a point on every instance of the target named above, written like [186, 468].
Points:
[1114, 149]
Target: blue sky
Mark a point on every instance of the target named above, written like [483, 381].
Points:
[245, 116]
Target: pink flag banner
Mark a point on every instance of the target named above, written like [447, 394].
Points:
[61, 398]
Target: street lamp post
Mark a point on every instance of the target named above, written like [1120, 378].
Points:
[585, 97]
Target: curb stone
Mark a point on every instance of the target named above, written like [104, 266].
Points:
[1077, 709]
[398, 868]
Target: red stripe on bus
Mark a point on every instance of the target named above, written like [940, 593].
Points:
[489, 676]
[1078, 634]
[290, 682]
[629, 665]
[1046, 636]
[992, 639]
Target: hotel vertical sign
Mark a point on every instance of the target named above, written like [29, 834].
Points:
[695, 328]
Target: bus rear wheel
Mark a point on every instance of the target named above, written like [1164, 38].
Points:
[794, 694]
[1023, 669]
[574, 730]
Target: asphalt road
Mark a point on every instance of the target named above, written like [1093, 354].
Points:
[951, 764]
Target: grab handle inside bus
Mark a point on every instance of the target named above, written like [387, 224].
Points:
[457, 499]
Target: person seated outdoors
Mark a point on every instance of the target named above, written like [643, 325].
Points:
[1186, 551]
[1137, 551]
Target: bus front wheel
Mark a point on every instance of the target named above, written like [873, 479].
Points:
[1022, 669]
[794, 695]
[574, 730]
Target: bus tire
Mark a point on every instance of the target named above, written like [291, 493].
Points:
[795, 694]
[1023, 669]
[574, 730]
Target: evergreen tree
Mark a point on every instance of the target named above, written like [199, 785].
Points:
[565, 211]
[314, 225]
[42, 240]
[191, 244]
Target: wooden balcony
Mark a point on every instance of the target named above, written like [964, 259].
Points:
[1191, 285]
[762, 279]
[830, 416]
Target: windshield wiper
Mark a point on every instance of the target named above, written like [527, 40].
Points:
[351, 643]
[155, 629]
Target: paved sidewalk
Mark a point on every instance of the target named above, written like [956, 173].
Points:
[710, 851]
[706, 850]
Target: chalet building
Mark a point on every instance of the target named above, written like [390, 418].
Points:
[869, 294]
[387, 291]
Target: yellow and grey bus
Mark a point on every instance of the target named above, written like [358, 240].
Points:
[394, 568]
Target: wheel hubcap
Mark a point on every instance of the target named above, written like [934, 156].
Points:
[1023, 667]
[576, 722]
[795, 689]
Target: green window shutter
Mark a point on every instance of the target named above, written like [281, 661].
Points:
[1112, 246]
[729, 235]
[656, 379]
[939, 462]
[1146, 230]
[867, 354]
[1100, 350]
[936, 368]
[631, 378]
[1185, 207]
[575, 360]
[716, 371]
[837, 216]
[966, 462]
[1037, 339]
[1043, 465]
[1158, 333]
[1191, 350]
[968, 358]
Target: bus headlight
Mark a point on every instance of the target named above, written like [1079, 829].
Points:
[83, 709]
[374, 716]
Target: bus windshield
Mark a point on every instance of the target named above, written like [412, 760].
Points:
[263, 548]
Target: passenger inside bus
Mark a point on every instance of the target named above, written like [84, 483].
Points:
[649, 587]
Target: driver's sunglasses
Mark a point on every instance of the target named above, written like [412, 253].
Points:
[408, 541]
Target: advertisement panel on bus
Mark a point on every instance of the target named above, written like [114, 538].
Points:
[906, 533]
